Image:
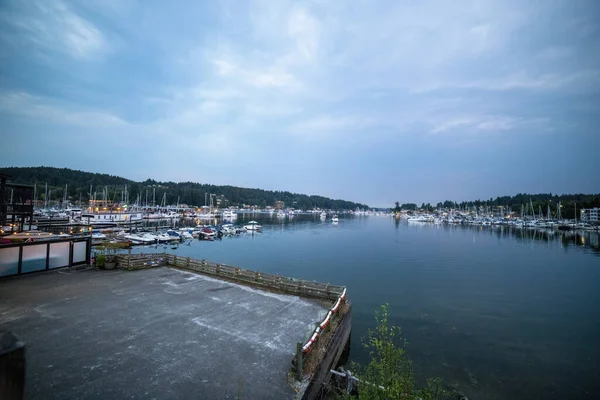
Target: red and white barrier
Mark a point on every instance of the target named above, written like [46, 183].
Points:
[323, 325]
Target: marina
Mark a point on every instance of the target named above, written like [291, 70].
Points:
[476, 290]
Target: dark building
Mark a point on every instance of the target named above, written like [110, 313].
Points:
[16, 204]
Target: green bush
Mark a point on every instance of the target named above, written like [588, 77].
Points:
[389, 373]
[100, 260]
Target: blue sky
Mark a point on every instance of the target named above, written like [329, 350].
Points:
[372, 101]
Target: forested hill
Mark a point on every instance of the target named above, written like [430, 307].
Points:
[79, 182]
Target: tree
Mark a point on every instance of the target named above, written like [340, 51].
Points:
[409, 206]
[389, 367]
[189, 193]
[397, 208]
[389, 374]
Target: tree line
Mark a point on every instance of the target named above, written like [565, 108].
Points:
[569, 203]
[78, 185]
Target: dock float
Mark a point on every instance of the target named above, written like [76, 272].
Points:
[164, 326]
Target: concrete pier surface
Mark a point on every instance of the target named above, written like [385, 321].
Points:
[158, 333]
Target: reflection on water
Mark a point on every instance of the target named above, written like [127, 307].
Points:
[497, 311]
[582, 238]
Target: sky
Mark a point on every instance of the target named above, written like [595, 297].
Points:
[370, 101]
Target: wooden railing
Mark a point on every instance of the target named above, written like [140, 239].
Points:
[278, 283]
[141, 261]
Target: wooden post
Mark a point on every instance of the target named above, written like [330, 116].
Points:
[299, 355]
[12, 366]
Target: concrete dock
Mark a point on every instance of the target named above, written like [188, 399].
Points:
[157, 333]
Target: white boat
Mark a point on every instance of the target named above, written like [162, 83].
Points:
[280, 214]
[164, 238]
[149, 238]
[140, 239]
[335, 218]
[252, 226]
[323, 215]
[98, 218]
[228, 229]
[421, 218]
[98, 236]
[229, 214]
[207, 216]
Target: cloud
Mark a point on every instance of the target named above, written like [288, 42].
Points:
[582, 80]
[55, 27]
[490, 124]
[43, 110]
[257, 75]
[327, 124]
[303, 29]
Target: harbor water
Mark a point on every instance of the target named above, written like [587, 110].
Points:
[495, 311]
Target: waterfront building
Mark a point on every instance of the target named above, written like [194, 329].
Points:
[590, 214]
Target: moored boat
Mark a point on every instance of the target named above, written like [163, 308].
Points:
[252, 226]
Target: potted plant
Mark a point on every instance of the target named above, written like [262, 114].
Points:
[107, 254]
[100, 260]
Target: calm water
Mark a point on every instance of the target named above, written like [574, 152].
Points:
[497, 312]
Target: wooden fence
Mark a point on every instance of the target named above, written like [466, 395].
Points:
[278, 283]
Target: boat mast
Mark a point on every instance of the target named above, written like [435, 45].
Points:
[46, 197]
[522, 211]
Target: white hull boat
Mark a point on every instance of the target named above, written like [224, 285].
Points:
[252, 226]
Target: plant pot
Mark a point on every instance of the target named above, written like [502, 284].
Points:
[110, 265]
[100, 261]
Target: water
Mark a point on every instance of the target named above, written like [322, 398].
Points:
[497, 312]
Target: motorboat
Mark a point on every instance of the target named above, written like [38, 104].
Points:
[335, 218]
[163, 238]
[207, 232]
[421, 218]
[229, 214]
[323, 215]
[228, 229]
[252, 226]
[140, 239]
